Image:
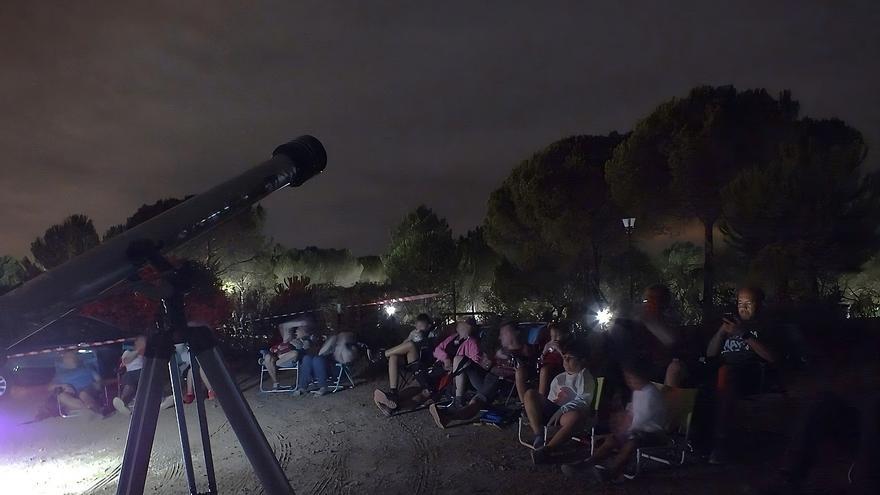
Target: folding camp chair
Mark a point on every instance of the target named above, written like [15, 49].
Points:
[582, 436]
[679, 413]
[337, 382]
[294, 367]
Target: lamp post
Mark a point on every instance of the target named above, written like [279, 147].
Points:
[629, 225]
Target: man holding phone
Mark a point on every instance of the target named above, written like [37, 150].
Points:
[742, 355]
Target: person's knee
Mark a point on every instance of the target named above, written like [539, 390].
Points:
[531, 396]
[571, 418]
[393, 359]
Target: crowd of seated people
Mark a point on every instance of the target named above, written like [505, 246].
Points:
[555, 383]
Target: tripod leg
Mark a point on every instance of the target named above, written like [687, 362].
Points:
[203, 425]
[177, 390]
[241, 418]
[142, 427]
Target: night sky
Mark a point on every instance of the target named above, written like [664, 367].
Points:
[106, 107]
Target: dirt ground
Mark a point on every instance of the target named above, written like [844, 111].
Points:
[339, 444]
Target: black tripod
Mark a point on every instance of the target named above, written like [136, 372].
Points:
[161, 358]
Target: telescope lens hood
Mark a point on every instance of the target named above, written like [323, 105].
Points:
[307, 153]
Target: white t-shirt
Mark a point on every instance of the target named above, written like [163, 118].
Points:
[136, 364]
[573, 391]
[648, 410]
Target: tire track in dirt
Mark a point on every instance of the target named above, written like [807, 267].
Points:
[170, 473]
[426, 478]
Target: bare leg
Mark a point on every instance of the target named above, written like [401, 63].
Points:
[544, 378]
[70, 402]
[616, 466]
[89, 400]
[205, 381]
[532, 405]
[402, 349]
[269, 361]
[522, 376]
[127, 394]
[460, 380]
[393, 370]
[603, 451]
[567, 423]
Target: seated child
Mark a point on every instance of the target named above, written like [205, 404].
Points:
[641, 424]
[133, 362]
[568, 405]
[74, 386]
[550, 362]
[486, 375]
[463, 344]
[282, 354]
[312, 374]
[407, 352]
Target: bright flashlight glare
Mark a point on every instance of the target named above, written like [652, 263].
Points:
[604, 316]
[390, 310]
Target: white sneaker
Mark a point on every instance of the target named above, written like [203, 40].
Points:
[168, 403]
[120, 406]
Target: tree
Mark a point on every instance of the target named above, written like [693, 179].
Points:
[678, 160]
[553, 212]
[322, 266]
[61, 242]
[421, 255]
[12, 273]
[374, 270]
[681, 266]
[811, 215]
[142, 214]
[476, 268]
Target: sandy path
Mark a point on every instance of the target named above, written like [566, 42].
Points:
[338, 444]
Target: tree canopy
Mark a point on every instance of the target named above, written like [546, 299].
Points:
[678, 160]
[553, 213]
[421, 255]
[810, 215]
[61, 242]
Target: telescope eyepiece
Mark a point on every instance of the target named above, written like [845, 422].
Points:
[307, 153]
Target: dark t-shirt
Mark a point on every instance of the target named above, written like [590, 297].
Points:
[736, 350]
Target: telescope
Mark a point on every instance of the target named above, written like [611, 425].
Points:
[59, 292]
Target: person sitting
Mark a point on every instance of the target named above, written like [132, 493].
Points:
[742, 354]
[659, 341]
[407, 352]
[282, 354]
[486, 375]
[312, 374]
[550, 363]
[640, 424]
[460, 347]
[75, 385]
[568, 404]
[132, 362]
[185, 358]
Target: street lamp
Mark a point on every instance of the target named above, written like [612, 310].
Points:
[629, 225]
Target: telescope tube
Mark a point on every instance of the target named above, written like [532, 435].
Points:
[61, 290]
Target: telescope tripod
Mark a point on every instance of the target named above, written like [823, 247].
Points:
[160, 358]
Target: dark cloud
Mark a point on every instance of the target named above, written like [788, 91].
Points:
[107, 106]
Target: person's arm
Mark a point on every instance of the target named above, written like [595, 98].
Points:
[128, 357]
[440, 350]
[760, 349]
[714, 347]
[664, 334]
